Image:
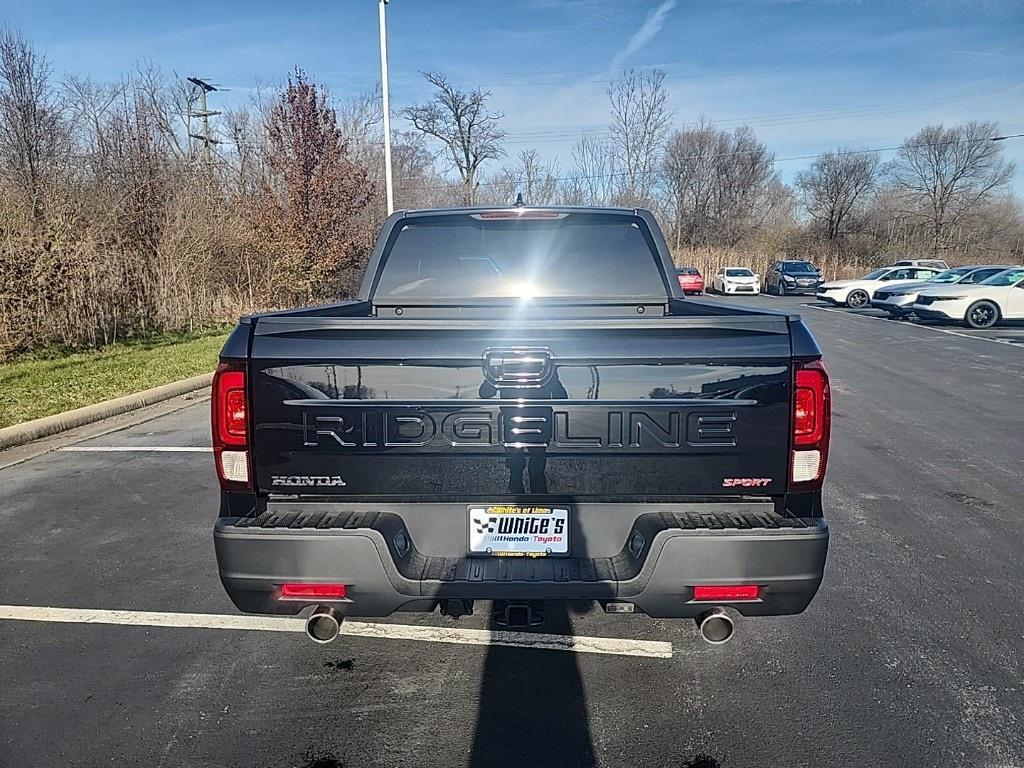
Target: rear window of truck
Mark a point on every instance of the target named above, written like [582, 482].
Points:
[531, 255]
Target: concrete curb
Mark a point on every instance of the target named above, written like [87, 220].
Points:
[20, 434]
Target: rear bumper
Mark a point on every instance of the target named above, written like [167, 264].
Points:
[664, 556]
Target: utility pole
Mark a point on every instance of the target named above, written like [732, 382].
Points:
[205, 114]
[385, 96]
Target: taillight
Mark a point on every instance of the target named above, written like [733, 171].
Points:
[229, 412]
[812, 415]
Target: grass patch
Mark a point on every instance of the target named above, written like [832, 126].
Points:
[45, 383]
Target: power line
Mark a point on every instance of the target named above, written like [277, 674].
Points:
[844, 152]
[555, 135]
[656, 65]
[549, 76]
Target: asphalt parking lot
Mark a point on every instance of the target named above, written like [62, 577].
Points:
[1011, 332]
[912, 653]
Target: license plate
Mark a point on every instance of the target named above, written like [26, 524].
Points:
[518, 531]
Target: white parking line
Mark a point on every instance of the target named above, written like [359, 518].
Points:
[135, 448]
[906, 324]
[575, 643]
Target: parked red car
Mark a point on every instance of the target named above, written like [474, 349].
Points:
[690, 280]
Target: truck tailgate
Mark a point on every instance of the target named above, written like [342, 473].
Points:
[646, 408]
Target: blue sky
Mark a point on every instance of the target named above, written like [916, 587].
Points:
[806, 75]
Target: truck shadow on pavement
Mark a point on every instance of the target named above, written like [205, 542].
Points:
[533, 709]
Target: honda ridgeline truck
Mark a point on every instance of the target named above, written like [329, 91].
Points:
[521, 407]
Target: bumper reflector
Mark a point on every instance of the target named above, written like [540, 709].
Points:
[806, 466]
[725, 593]
[234, 466]
[314, 591]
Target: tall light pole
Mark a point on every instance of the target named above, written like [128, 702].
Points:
[381, 4]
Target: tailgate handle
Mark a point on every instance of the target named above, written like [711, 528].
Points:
[517, 366]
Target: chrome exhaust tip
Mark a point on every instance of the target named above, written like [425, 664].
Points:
[715, 626]
[323, 624]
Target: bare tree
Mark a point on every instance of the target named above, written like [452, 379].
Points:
[689, 174]
[361, 122]
[462, 122]
[534, 179]
[835, 187]
[172, 103]
[723, 185]
[539, 178]
[417, 182]
[948, 174]
[244, 134]
[362, 116]
[89, 106]
[640, 119]
[595, 178]
[32, 131]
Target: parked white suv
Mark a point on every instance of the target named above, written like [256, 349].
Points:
[934, 263]
[857, 293]
[1000, 297]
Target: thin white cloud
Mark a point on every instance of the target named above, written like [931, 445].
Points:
[989, 53]
[652, 26]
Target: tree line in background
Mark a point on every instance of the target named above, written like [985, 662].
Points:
[113, 222]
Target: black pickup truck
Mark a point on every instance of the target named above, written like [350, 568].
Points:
[521, 407]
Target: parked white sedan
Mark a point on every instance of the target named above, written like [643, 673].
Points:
[1000, 297]
[899, 300]
[735, 280]
[857, 293]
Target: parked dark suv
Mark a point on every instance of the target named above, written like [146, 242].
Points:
[792, 277]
